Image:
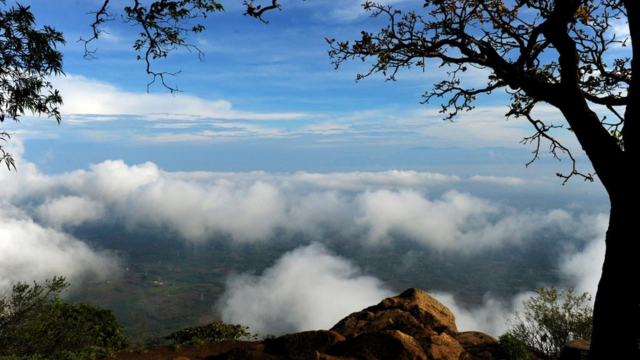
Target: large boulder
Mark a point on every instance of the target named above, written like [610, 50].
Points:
[413, 313]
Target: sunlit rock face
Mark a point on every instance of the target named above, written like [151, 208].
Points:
[412, 325]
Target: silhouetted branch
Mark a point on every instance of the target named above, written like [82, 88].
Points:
[256, 11]
[101, 16]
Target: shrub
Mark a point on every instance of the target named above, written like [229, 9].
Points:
[212, 332]
[34, 321]
[512, 348]
[551, 319]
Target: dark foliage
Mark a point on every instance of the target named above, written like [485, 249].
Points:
[34, 322]
[28, 56]
[212, 332]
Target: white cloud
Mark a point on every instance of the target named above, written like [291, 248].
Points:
[583, 269]
[69, 211]
[197, 211]
[362, 180]
[491, 317]
[306, 289]
[350, 11]
[508, 180]
[170, 138]
[91, 97]
[580, 269]
[373, 207]
[29, 251]
[437, 223]
[303, 289]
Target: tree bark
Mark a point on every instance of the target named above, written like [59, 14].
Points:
[616, 312]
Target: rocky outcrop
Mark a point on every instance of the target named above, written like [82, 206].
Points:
[410, 326]
[413, 312]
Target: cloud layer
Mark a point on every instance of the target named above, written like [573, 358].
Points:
[309, 287]
[374, 207]
[306, 289]
[32, 252]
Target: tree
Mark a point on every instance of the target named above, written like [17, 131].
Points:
[35, 321]
[27, 57]
[551, 319]
[556, 52]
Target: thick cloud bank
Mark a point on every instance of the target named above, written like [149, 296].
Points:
[583, 268]
[375, 208]
[306, 289]
[310, 288]
[580, 269]
[29, 251]
[492, 317]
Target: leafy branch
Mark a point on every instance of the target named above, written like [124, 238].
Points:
[544, 55]
[165, 26]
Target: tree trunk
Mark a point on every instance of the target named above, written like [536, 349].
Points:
[616, 313]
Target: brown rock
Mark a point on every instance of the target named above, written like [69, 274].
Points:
[388, 344]
[414, 313]
[302, 344]
[479, 346]
[413, 308]
[441, 346]
[370, 322]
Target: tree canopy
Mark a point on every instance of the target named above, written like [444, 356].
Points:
[567, 54]
[28, 56]
[34, 321]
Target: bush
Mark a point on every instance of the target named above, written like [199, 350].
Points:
[212, 332]
[512, 348]
[551, 319]
[34, 321]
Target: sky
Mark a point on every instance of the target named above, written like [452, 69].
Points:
[266, 97]
[264, 135]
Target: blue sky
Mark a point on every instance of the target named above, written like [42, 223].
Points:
[266, 97]
[265, 137]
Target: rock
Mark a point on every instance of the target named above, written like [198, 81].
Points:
[302, 344]
[410, 326]
[442, 346]
[479, 346]
[413, 309]
[367, 321]
[388, 344]
[575, 350]
[413, 313]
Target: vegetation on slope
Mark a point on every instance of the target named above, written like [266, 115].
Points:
[36, 324]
